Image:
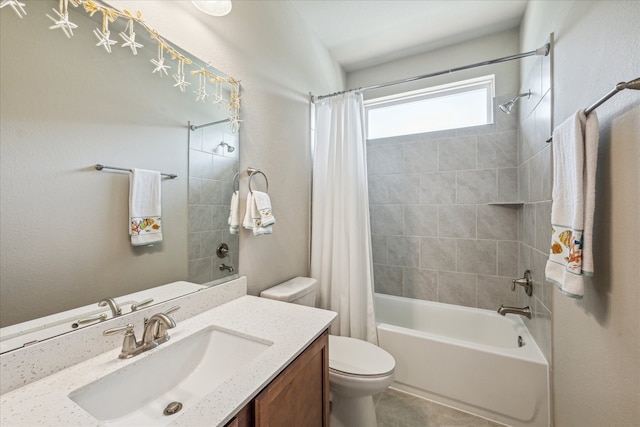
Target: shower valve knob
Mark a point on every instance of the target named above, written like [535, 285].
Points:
[525, 282]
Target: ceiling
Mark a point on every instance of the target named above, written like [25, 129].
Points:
[363, 33]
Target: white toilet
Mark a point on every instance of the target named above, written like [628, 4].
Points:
[357, 369]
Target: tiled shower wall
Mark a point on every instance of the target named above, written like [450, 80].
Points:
[534, 173]
[436, 233]
[211, 171]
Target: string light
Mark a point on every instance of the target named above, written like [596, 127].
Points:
[61, 21]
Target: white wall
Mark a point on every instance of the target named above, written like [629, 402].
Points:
[596, 343]
[278, 61]
[478, 50]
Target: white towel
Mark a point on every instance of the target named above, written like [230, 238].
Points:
[234, 216]
[263, 204]
[258, 227]
[575, 155]
[252, 219]
[145, 218]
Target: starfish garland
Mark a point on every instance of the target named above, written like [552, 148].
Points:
[202, 90]
[160, 66]
[104, 36]
[179, 76]
[130, 39]
[15, 5]
[62, 22]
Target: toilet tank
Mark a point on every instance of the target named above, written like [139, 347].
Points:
[299, 290]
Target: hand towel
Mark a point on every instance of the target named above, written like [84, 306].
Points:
[145, 218]
[247, 221]
[234, 216]
[575, 155]
[263, 204]
[258, 227]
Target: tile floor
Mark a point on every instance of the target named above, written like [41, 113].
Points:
[397, 409]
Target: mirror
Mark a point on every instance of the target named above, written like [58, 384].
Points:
[68, 105]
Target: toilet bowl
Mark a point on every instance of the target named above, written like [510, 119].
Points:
[357, 369]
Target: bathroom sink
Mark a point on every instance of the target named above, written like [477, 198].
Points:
[182, 372]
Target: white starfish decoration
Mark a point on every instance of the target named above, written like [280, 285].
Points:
[130, 41]
[104, 39]
[160, 66]
[62, 23]
[179, 77]
[202, 90]
[15, 5]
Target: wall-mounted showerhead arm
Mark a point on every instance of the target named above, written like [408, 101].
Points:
[507, 106]
[229, 147]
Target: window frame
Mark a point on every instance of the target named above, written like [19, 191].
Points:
[432, 92]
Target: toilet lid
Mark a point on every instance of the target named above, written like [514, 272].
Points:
[358, 357]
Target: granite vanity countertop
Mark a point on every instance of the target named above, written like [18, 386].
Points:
[290, 327]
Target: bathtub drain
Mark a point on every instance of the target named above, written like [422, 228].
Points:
[520, 341]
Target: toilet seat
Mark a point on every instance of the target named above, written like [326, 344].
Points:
[358, 358]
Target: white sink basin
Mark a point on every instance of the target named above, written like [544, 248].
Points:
[184, 372]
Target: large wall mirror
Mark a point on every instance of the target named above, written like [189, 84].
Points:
[68, 105]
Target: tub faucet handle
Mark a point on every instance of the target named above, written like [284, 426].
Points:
[525, 282]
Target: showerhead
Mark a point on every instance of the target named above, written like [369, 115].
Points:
[507, 106]
[229, 147]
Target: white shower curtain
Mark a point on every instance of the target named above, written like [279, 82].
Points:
[341, 257]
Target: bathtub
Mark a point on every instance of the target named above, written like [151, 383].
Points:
[470, 359]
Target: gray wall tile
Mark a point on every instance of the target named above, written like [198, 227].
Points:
[457, 221]
[387, 220]
[403, 251]
[421, 284]
[495, 290]
[403, 188]
[497, 150]
[438, 188]
[508, 185]
[421, 220]
[457, 153]
[477, 256]
[478, 186]
[497, 222]
[379, 248]
[438, 254]
[387, 279]
[457, 288]
[421, 156]
[385, 159]
[508, 259]
[543, 226]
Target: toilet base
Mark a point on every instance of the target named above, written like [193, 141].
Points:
[353, 411]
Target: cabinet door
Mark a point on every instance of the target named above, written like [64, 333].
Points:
[299, 396]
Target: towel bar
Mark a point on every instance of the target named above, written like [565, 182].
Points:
[100, 167]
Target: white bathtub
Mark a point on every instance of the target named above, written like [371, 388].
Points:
[466, 358]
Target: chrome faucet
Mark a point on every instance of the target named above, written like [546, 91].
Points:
[113, 305]
[524, 311]
[155, 333]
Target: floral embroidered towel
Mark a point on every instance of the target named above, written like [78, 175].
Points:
[575, 155]
[145, 218]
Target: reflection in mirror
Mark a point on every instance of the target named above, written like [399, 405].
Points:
[68, 105]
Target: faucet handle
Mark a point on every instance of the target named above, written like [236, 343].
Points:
[136, 305]
[525, 282]
[129, 345]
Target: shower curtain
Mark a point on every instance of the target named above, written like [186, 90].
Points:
[341, 257]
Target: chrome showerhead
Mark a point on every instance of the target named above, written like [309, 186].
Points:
[507, 106]
[229, 147]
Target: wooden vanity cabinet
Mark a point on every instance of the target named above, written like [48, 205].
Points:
[298, 396]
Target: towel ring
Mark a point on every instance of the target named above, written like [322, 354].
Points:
[236, 182]
[253, 172]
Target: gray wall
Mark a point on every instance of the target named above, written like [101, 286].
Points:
[435, 233]
[596, 344]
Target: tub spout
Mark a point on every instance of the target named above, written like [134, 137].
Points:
[524, 311]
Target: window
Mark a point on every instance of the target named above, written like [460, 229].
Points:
[457, 105]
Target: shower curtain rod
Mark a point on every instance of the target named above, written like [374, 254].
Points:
[542, 51]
